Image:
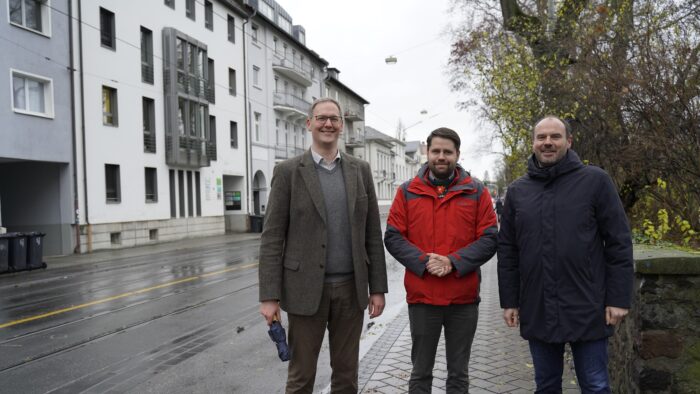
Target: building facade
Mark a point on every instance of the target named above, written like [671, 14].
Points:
[414, 158]
[161, 120]
[283, 78]
[127, 126]
[37, 172]
[382, 155]
[353, 106]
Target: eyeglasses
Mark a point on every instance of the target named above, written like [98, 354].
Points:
[335, 120]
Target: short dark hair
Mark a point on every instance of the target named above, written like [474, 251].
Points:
[324, 100]
[567, 126]
[444, 132]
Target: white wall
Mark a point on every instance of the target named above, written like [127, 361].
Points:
[121, 69]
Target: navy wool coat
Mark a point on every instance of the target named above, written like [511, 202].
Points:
[564, 251]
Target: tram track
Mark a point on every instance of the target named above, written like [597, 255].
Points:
[86, 341]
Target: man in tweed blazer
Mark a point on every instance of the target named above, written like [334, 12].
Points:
[321, 253]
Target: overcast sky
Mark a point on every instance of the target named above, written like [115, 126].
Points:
[355, 36]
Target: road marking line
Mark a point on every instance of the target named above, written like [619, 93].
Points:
[124, 295]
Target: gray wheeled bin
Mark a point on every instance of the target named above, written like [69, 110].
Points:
[35, 250]
[4, 253]
[17, 251]
[256, 223]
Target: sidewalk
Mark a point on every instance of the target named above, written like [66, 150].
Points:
[112, 255]
[500, 359]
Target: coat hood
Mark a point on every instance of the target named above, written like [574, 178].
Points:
[568, 163]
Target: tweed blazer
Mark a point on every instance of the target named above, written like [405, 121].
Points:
[294, 238]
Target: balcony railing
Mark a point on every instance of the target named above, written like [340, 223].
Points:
[286, 152]
[300, 72]
[287, 100]
[355, 140]
[353, 113]
[189, 84]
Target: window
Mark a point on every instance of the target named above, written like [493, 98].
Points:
[149, 125]
[107, 34]
[254, 33]
[146, 55]
[212, 138]
[115, 238]
[112, 186]
[30, 14]
[209, 15]
[277, 132]
[170, 3]
[231, 29]
[231, 82]
[266, 10]
[151, 176]
[286, 133]
[109, 106]
[274, 44]
[31, 94]
[302, 37]
[256, 76]
[285, 24]
[189, 9]
[211, 84]
[234, 135]
[257, 126]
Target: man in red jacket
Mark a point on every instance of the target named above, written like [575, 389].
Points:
[442, 228]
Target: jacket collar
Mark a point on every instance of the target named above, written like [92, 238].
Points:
[308, 172]
[463, 183]
[568, 163]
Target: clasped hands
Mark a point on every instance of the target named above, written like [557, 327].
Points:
[438, 265]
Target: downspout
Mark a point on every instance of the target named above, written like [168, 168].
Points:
[82, 125]
[246, 115]
[76, 199]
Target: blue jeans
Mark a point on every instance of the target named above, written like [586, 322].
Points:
[590, 362]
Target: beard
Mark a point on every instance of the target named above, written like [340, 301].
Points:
[442, 173]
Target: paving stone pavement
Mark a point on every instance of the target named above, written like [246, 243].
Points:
[500, 359]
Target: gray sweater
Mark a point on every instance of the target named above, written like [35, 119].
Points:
[339, 265]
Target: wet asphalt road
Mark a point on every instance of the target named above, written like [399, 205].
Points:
[169, 321]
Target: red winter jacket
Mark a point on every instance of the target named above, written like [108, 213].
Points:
[461, 225]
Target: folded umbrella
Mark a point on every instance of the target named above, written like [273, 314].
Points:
[279, 337]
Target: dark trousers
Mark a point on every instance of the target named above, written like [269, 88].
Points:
[427, 322]
[590, 362]
[340, 313]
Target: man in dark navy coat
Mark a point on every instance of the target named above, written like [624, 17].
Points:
[565, 269]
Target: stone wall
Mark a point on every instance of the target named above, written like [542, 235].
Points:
[140, 233]
[657, 348]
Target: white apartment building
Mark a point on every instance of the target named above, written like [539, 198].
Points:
[353, 106]
[382, 154]
[160, 116]
[413, 157]
[283, 78]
